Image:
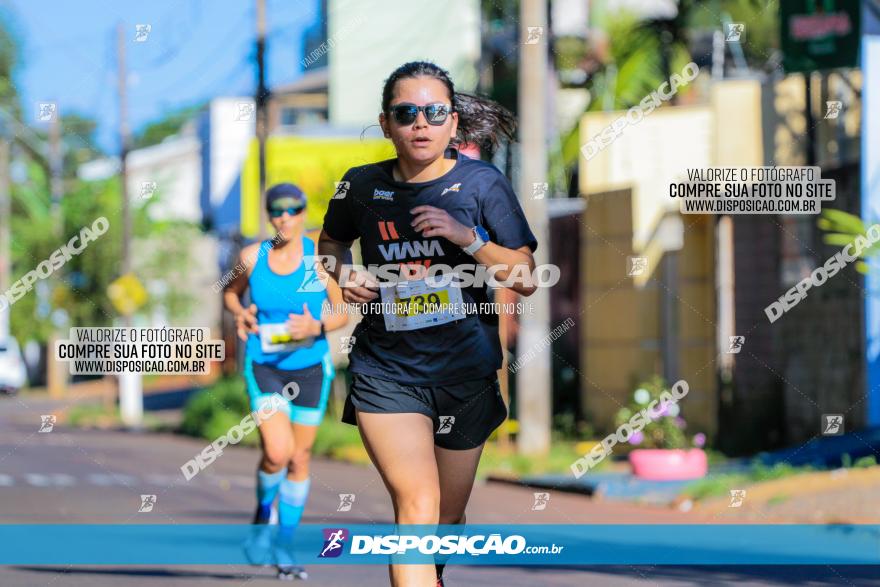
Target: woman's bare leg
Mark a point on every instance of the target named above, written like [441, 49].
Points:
[456, 470]
[276, 440]
[401, 447]
[301, 453]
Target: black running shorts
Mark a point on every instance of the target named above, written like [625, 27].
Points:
[464, 414]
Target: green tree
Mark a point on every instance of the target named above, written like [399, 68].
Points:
[169, 124]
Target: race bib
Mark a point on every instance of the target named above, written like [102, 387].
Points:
[276, 338]
[410, 305]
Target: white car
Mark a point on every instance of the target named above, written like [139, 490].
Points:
[12, 369]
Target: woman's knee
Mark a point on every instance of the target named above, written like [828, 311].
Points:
[422, 507]
[452, 517]
[299, 460]
[275, 457]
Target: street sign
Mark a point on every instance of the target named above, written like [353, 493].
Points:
[819, 34]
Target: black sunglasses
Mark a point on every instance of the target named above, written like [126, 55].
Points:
[435, 114]
[275, 213]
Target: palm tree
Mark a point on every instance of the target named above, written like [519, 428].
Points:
[841, 229]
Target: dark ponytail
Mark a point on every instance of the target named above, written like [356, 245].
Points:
[480, 121]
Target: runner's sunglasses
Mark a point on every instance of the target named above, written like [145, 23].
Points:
[435, 114]
[278, 213]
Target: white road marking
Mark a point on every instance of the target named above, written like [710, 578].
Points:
[47, 480]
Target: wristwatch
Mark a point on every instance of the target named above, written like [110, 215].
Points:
[481, 238]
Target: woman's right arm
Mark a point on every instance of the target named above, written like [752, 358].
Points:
[358, 287]
[245, 318]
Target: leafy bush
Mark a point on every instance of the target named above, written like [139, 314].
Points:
[339, 440]
[211, 412]
[214, 410]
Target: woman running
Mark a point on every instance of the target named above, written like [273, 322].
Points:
[424, 392]
[287, 354]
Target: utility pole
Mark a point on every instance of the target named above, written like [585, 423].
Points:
[131, 396]
[56, 371]
[261, 100]
[124, 142]
[56, 167]
[534, 382]
[5, 236]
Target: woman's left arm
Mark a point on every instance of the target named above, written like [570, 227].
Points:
[492, 254]
[431, 221]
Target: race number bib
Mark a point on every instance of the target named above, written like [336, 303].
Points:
[410, 305]
[276, 338]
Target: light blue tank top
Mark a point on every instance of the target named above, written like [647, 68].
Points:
[276, 296]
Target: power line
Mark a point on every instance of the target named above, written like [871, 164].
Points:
[221, 49]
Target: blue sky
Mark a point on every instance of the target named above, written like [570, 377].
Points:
[196, 49]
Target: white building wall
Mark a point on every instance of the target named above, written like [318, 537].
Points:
[368, 39]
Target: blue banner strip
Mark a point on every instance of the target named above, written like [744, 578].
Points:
[495, 544]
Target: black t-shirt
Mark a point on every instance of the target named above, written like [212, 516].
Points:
[376, 209]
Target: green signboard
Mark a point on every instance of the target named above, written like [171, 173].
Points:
[819, 34]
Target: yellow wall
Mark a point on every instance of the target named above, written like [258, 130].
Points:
[627, 190]
[314, 164]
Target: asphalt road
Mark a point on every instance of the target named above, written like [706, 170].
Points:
[75, 476]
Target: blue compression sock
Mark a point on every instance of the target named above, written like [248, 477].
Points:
[291, 503]
[267, 488]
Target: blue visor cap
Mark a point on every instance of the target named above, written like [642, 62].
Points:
[285, 195]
